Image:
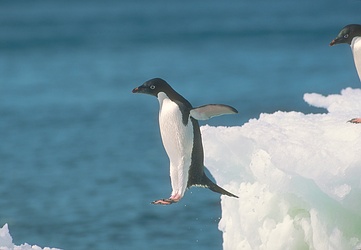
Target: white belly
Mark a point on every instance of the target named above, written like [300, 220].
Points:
[356, 51]
[178, 142]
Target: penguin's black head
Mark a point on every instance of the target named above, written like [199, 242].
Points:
[347, 34]
[153, 87]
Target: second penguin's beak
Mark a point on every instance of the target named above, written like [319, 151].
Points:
[135, 90]
[139, 89]
[333, 42]
[337, 40]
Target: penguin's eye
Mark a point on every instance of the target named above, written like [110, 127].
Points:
[152, 87]
[345, 36]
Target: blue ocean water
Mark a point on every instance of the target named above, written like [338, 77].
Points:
[80, 155]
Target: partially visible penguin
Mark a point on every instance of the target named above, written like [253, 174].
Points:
[351, 34]
[182, 139]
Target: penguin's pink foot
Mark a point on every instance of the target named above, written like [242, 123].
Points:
[355, 120]
[164, 202]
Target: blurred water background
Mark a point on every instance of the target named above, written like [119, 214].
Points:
[80, 155]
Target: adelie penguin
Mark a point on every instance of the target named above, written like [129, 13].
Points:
[182, 139]
[351, 34]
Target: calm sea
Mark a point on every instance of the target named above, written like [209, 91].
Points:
[80, 155]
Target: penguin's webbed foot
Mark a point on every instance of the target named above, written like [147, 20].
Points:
[355, 120]
[164, 202]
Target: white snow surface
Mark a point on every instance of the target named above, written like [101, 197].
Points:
[6, 242]
[298, 177]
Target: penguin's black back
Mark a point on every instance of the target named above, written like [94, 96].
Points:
[196, 170]
[196, 175]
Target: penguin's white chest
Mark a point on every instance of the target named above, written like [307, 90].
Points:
[356, 51]
[177, 140]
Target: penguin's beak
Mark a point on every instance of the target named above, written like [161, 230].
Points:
[333, 42]
[337, 40]
[139, 89]
[135, 90]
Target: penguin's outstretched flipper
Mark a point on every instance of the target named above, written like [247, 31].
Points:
[215, 188]
[206, 112]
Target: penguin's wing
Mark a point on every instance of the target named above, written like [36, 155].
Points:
[208, 111]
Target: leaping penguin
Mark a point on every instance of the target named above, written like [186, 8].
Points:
[351, 34]
[182, 138]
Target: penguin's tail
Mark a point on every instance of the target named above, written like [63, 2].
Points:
[215, 188]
